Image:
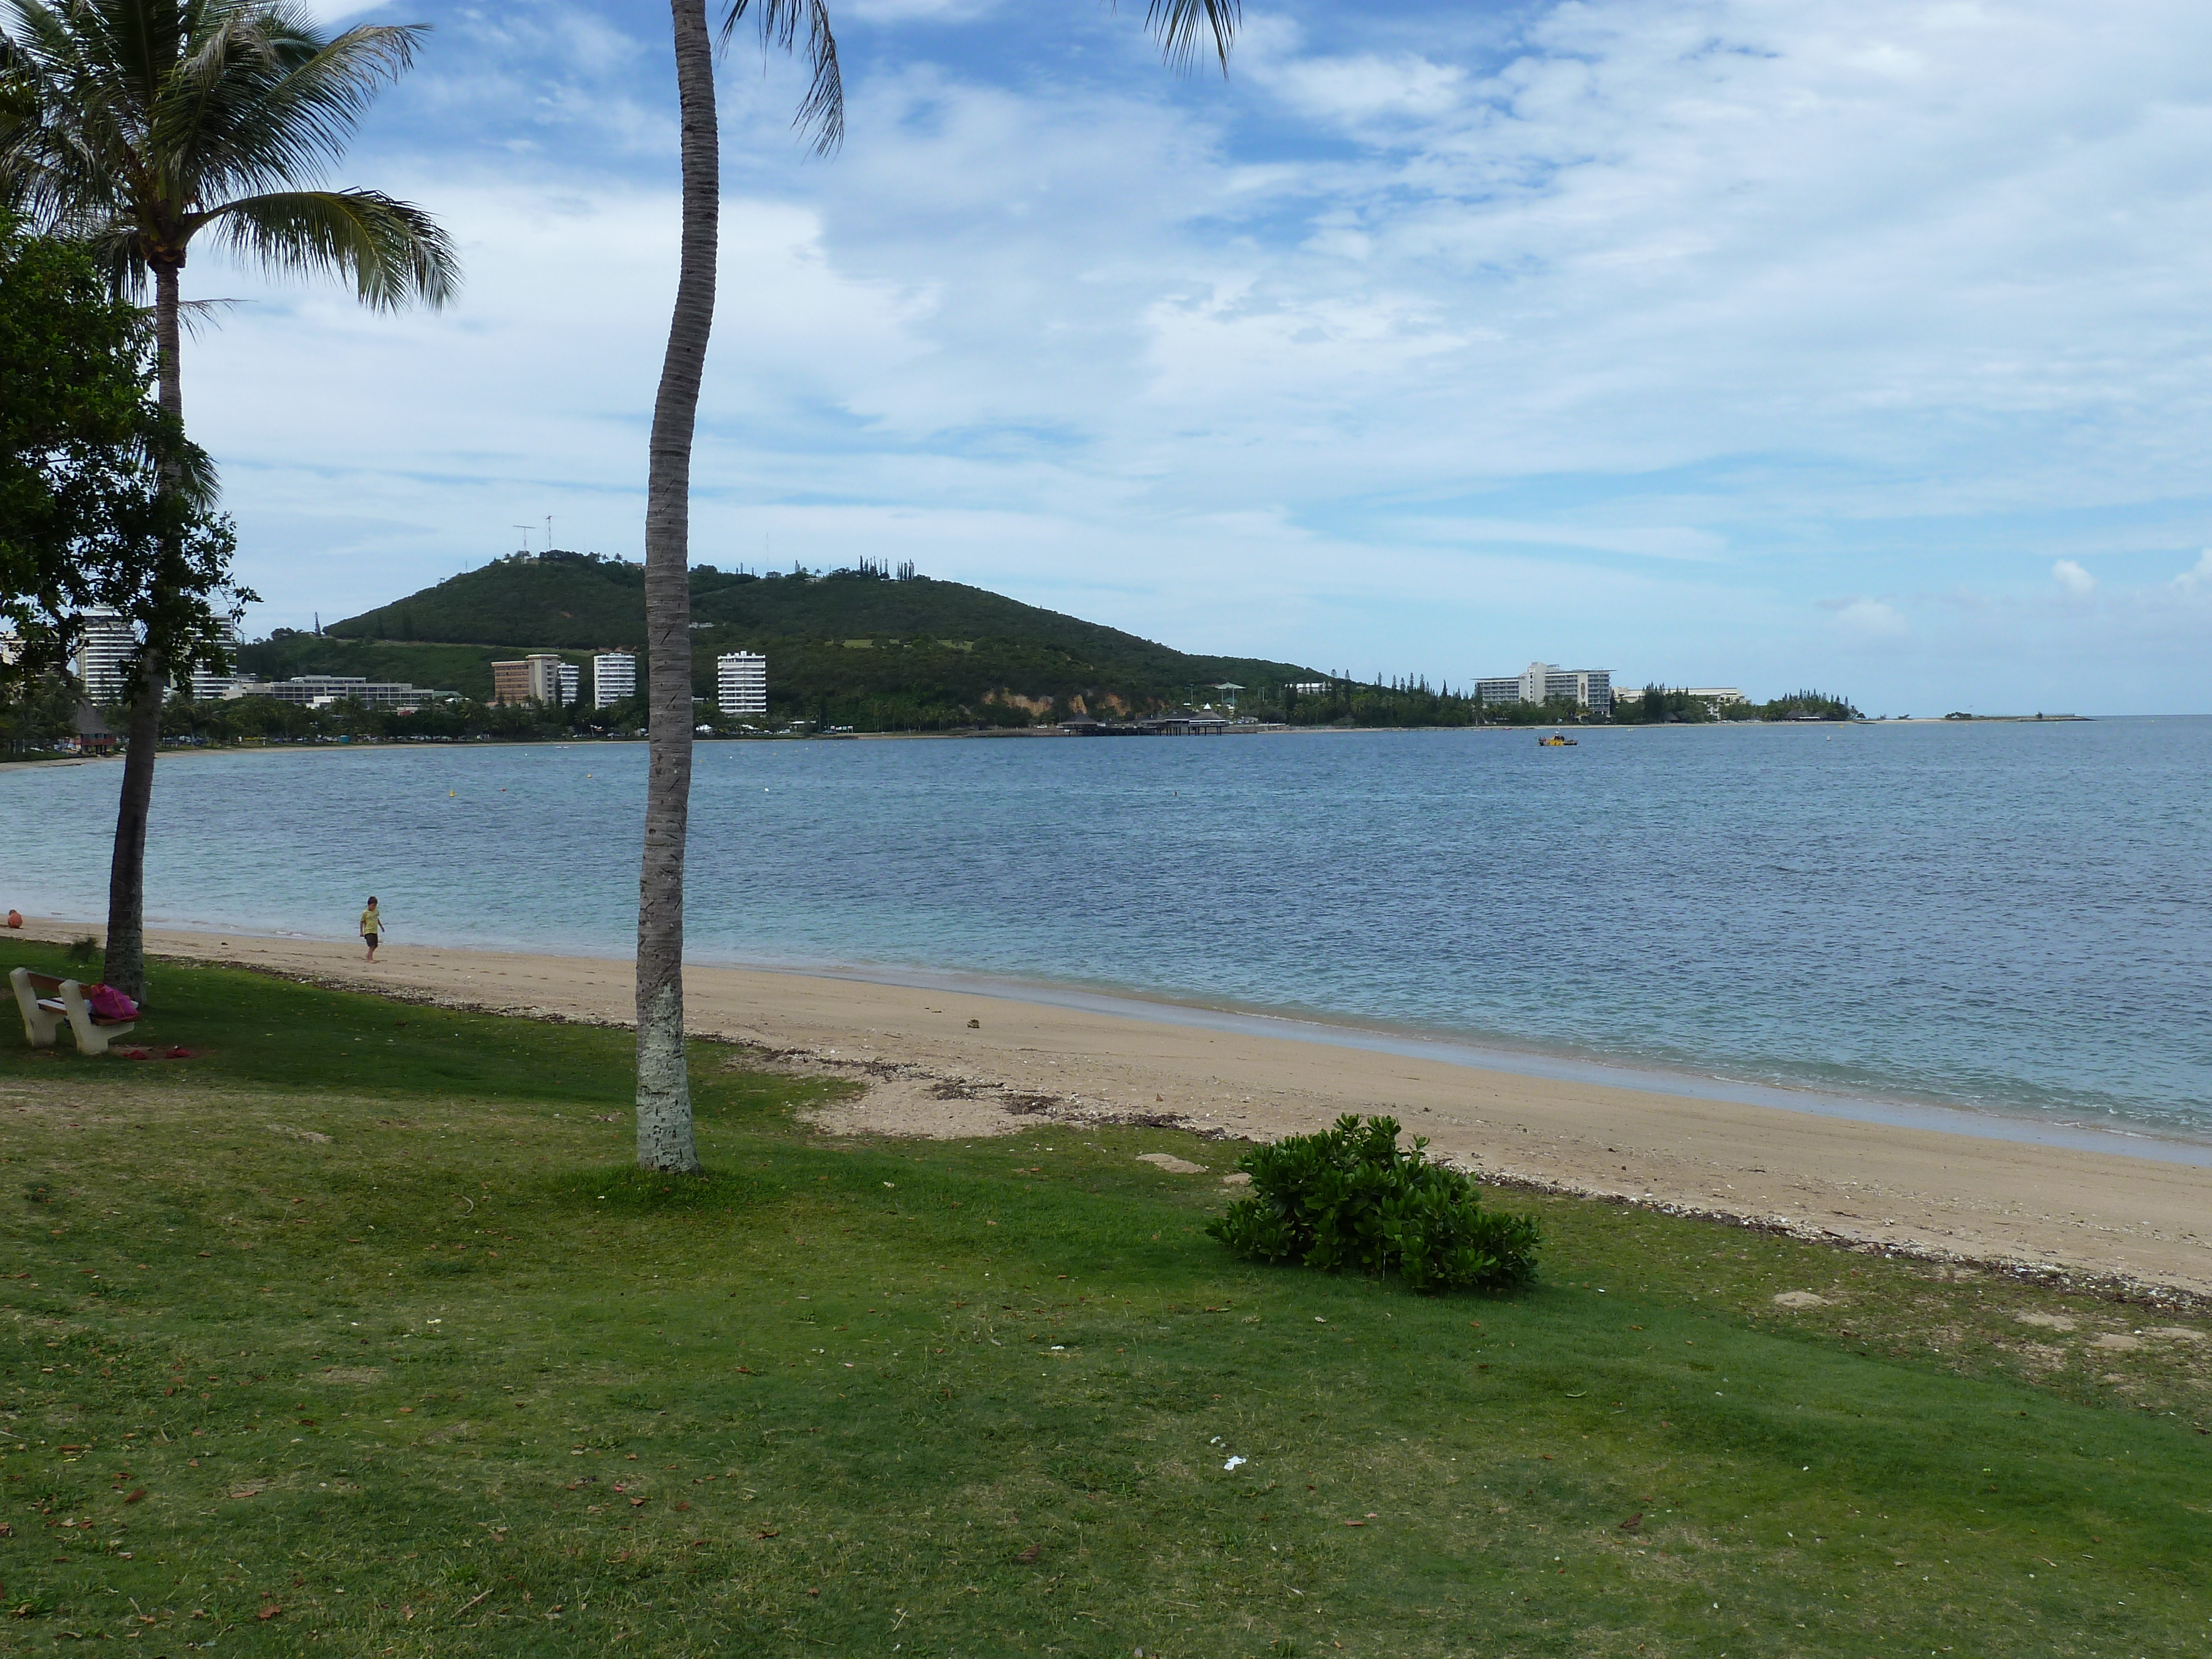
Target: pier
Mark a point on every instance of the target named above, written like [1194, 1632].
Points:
[1169, 726]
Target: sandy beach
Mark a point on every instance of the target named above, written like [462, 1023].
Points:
[946, 1063]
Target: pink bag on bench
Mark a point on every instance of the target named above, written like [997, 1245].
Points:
[109, 1003]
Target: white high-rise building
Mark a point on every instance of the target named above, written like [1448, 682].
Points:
[741, 683]
[207, 685]
[105, 640]
[614, 677]
[571, 677]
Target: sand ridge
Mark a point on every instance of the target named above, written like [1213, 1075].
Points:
[949, 1063]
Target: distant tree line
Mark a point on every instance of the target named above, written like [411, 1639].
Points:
[1659, 705]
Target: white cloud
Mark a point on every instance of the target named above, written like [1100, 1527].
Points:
[1869, 621]
[1358, 90]
[926, 11]
[2198, 577]
[1642, 541]
[1644, 324]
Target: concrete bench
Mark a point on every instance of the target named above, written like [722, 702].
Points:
[47, 1002]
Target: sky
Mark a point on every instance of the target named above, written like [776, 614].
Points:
[1755, 342]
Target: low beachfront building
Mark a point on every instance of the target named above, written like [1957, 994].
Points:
[320, 691]
[1542, 682]
[1714, 697]
[614, 677]
[741, 683]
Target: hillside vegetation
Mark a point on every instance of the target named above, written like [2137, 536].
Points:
[847, 648]
[850, 648]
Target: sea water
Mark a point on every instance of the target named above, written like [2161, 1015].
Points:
[2011, 917]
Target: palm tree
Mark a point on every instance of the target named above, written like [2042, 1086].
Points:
[135, 125]
[664, 1140]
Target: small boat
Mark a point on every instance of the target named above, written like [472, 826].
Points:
[1556, 740]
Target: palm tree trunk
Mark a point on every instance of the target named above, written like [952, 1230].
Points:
[663, 1084]
[125, 967]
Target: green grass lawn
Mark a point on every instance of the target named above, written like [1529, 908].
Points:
[353, 1333]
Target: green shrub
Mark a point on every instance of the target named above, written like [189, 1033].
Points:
[1350, 1197]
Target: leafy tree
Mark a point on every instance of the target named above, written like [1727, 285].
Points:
[137, 126]
[73, 428]
[35, 709]
[665, 1138]
[102, 503]
[1807, 706]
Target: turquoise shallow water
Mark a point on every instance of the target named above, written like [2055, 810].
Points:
[2010, 917]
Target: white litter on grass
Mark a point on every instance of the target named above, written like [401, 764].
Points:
[1232, 1463]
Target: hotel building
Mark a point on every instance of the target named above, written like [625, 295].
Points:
[208, 684]
[741, 683]
[534, 678]
[1541, 682]
[320, 691]
[614, 677]
[105, 641]
[1714, 697]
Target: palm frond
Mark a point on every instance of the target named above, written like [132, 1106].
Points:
[160, 445]
[272, 103]
[1180, 26]
[52, 144]
[782, 23]
[197, 315]
[129, 124]
[393, 252]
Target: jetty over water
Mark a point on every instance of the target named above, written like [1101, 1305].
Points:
[1169, 726]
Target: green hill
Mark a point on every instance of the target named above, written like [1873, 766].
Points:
[463, 668]
[850, 648]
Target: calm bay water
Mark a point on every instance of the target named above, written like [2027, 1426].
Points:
[2012, 917]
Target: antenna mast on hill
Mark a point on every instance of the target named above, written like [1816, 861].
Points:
[525, 530]
[548, 533]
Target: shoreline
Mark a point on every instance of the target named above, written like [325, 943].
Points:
[2156, 1142]
[969, 1060]
[183, 750]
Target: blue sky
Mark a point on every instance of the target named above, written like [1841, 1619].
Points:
[1767, 343]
